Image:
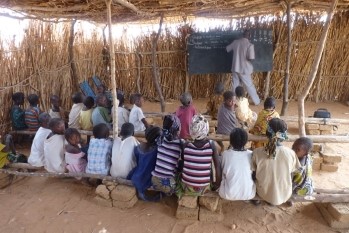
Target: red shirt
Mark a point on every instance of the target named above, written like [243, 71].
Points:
[185, 114]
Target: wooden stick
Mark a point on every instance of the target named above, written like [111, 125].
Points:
[314, 69]
[326, 121]
[23, 166]
[73, 69]
[332, 191]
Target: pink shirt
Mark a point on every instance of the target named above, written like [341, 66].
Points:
[185, 114]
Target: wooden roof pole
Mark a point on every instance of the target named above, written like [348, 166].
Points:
[112, 72]
[312, 75]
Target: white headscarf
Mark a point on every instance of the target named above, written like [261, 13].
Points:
[199, 127]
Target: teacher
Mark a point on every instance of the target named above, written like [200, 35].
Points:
[242, 68]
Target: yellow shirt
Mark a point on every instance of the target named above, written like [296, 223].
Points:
[264, 116]
[85, 120]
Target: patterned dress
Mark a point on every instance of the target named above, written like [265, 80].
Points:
[302, 183]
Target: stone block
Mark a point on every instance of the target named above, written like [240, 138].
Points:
[311, 126]
[187, 213]
[317, 158]
[326, 132]
[150, 120]
[123, 193]
[316, 166]
[313, 132]
[330, 156]
[211, 203]
[125, 204]
[111, 187]
[317, 147]
[340, 211]
[188, 201]
[326, 127]
[205, 215]
[329, 167]
[102, 202]
[332, 222]
[103, 192]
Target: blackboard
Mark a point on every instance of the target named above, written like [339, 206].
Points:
[207, 53]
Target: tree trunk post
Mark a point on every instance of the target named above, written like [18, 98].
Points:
[73, 69]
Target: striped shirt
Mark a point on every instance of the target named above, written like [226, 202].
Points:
[197, 165]
[32, 118]
[167, 158]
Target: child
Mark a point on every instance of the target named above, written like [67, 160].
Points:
[36, 157]
[123, 113]
[145, 154]
[8, 152]
[100, 114]
[123, 158]
[85, 119]
[32, 113]
[302, 182]
[17, 113]
[74, 157]
[226, 115]
[242, 110]
[263, 118]
[198, 157]
[237, 182]
[99, 151]
[56, 111]
[185, 113]
[102, 89]
[136, 115]
[74, 114]
[215, 101]
[274, 164]
[169, 152]
[54, 147]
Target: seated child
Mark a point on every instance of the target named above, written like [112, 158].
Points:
[102, 89]
[302, 182]
[74, 115]
[198, 157]
[185, 114]
[36, 157]
[237, 182]
[32, 113]
[242, 110]
[226, 114]
[168, 155]
[54, 147]
[99, 151]
[8, 152]
[56, 111]
[215, 101]
[100, 114]
[145, 154]
[123, 113]
[85, 119]
[137, 117]
[74, 157]
[123, 159]
[274, 164]
[264, 116]
[17, 113]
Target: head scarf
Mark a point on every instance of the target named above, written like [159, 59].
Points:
[274, 138]
[199, 127]
[172, 126]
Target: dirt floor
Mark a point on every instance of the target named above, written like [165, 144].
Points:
[65, 205]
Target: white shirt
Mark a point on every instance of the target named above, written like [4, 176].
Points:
[136, 116]
[242, 50]
[54, 153]
[237, 183]
[123, 159]
[123, 116]
[74, 116]
[36, 157]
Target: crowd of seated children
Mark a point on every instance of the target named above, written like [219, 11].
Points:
[123, 158]
[185, 114]
[99, 151]
[137, 117]
[85, 119]
[56, 111]
[100, 114]
[215, 101]
[226, 114]
[36, 157]
[32, 113]
[54, 147]
[242, 110]
[17, 113]
[75, 158]
[74, 114]
[168, 155]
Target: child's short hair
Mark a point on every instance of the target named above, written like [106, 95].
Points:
[240, 91]
[17, 96]
[33, 99]
[89, 102]
[100, 98]
[137, 97]
[276, 125]
[238, 138]
[186, 98]
[54, 122]
[132, 98]
[152, 133]
[228, 95]
[121, 98]
[77, 97]
[101, 131]
[219, 88]
[305, 143]
[44, 118]
[127, 129]
[70, 132]
[54, 98]
[269, 103]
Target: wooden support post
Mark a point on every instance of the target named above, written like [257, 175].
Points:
[288, 61]
[318, 88]
[138, 79]
[112, 72]
[267, 85]
[73, 69]
[314, 69]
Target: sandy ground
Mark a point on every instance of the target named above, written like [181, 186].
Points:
[64, 205]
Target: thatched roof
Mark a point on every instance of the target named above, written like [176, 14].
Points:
[141, 10]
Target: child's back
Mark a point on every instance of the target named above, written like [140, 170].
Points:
[74, 115]
[85, 120]
[32, 113]
[242, 109]
[185, 114]
[17, 113]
